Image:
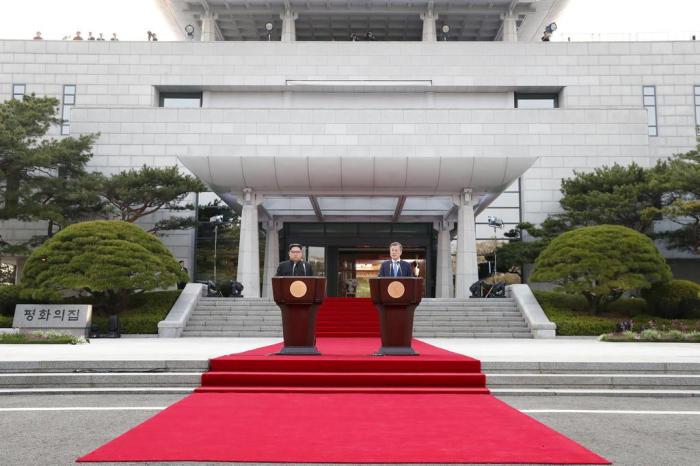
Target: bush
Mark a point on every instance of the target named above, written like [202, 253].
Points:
[110, 260]
[601, 263]
[675, 299]
[9, 297]
[145, 311]
[5, 321]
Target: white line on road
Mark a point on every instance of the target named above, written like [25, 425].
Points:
[89, 408]
[529, 411]
[605, 411]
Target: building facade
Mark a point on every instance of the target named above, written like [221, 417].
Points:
[345, 145]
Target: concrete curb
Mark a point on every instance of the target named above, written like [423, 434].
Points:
[175, 321]
[536, 319]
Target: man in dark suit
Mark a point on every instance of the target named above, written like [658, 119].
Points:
[395, 267]
[295, 266]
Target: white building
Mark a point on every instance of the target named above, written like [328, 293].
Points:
[345, 145]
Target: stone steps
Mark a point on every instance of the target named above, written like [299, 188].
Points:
[503, 378]
[473, 318]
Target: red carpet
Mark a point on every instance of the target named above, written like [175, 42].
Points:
[344, 407]
[347, 317]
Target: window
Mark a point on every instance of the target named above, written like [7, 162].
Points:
[18, 91]
[649, 101]
[697, 110]
[181, 99]
[525, 100]
[68, 102]
[505, 207]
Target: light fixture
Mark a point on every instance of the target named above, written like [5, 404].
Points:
[495, 223]
[268, 27]
[189, 30]
[548, 30]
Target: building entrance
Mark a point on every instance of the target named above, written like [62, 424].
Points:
[356, 267]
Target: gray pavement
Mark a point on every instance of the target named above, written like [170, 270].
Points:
[628, 431]
[59, 437]
[485, 349]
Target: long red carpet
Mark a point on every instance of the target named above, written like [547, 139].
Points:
[347, 317]
[344, 407]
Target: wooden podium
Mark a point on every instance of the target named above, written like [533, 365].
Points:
[396, 298]
[299, 299]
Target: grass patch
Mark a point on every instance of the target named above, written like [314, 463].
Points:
[45, 338]
[651, 335]
[568, 312]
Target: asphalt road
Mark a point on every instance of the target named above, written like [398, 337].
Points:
[638, 435]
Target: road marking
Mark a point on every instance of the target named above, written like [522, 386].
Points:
[89, 408]
[606, 411]
[529, 411]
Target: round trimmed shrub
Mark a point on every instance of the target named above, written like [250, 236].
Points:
[674, 300]
[601, 263]
[107, 259]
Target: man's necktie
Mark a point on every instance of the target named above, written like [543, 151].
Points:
[294, 266]
[396, 269]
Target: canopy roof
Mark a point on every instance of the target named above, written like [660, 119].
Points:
[338, 188]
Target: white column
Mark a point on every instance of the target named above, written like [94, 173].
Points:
[208, 27]
[444, 287]
[467, 270]
[248, 254]
[429, 18]
[510, 29]
[272, 255]
[289, 32]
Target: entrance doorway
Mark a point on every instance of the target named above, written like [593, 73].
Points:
[357, 266]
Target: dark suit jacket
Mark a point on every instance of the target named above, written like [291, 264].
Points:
[302, 268]
[404, 269]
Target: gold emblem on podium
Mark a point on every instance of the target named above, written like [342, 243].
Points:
[297, 288]
[395, 289]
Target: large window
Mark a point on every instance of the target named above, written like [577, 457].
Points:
[506, 207]
[529, 100]
[180, 99]
[68, 102]
[649, 100]
[18, 91]
[697, 110]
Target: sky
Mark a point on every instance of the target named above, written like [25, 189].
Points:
[130, 19]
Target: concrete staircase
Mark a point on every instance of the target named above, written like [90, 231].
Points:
[473, 318]
[234, 317]
[506, 378]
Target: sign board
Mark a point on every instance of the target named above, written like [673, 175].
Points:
[72, 319]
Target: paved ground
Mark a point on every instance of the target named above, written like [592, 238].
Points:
[649, 431]
[628, 431]
[485, 349]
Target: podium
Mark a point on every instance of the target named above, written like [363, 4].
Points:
[299, 299]
[396, 298]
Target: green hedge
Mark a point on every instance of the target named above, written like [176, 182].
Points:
[675, 299]
[567, 311]
[145, 311]
[5, 321]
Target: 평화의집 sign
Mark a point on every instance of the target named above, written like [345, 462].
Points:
[72, 319]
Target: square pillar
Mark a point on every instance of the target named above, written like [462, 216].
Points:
[248, 253]
[208, 27]
[289, 32]
[510, 28]
[444, 286]
[429, 18]
[272, 255]
[467, 269]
